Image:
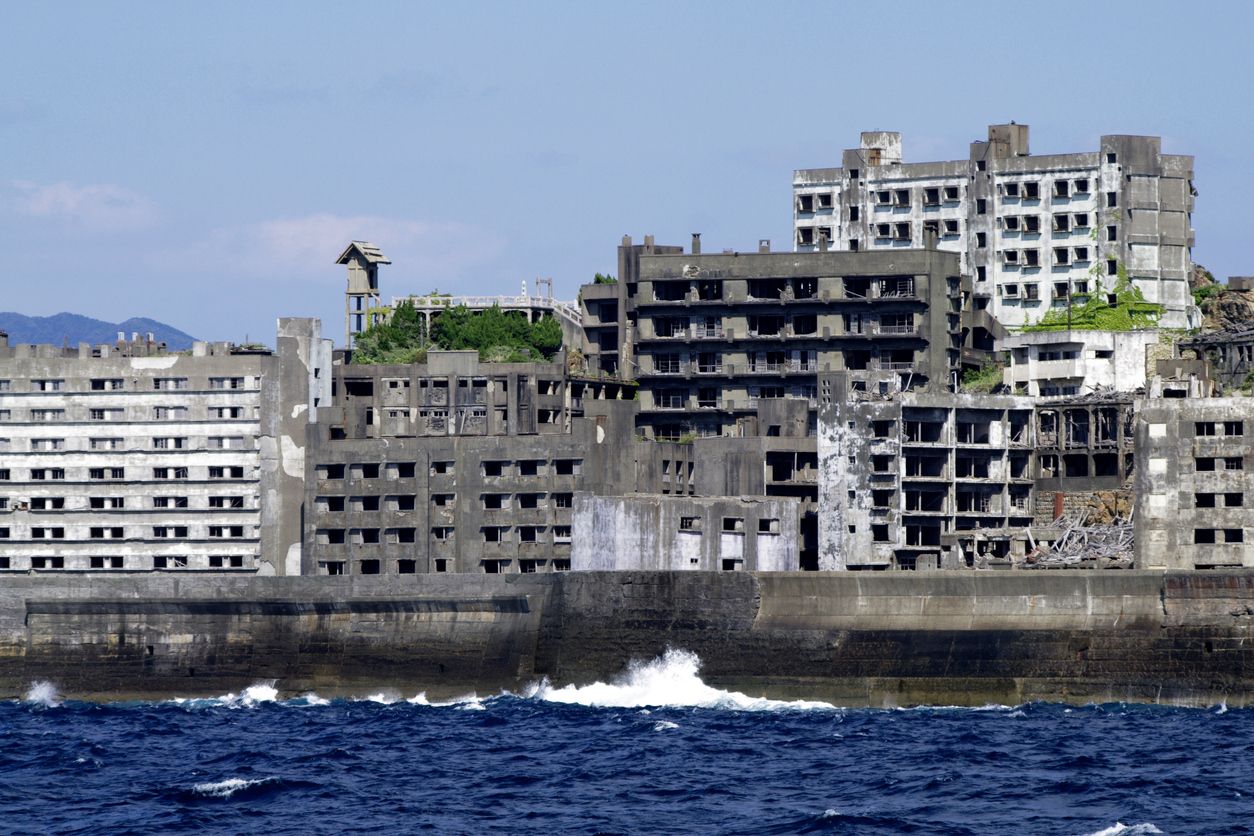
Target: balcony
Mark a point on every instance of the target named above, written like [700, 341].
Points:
[707, 332]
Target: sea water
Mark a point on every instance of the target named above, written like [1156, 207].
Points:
[655, 751]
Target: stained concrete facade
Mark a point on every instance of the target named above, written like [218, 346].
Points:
[1035, 232]
[1194, 490]
[127, 457]
[459, 466]
[719, 334]
[923, 480]
[1061, 363]
[652, 532]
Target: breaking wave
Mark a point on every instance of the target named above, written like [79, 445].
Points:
[251, 697]
[1121, 829]
[671, 681]
[231, 786]
[43, 694]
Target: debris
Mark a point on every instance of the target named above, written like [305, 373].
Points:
[1084, 543]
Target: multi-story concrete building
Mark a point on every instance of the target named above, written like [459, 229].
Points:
[1036, 233]
[609, 312]
[1060, 363]
[126, 457]
[719, 334]
[460, 466]
[922, 480]
[1194, 492]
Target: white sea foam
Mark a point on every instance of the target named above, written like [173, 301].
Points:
[382, 698]
[664, 725]
[251, 697]
[44, 694]
[228, 788]
[671, 680]
[1121, 829]
[310, 699]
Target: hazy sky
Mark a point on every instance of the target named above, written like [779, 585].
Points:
[204, 164]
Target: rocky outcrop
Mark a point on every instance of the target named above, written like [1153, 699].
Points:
[1221, 307]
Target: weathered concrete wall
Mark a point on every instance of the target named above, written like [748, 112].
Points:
[849, 638]
[684, 533]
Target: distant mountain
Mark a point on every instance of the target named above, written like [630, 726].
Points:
[74, 329]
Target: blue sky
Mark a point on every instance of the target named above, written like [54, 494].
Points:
[203, 164]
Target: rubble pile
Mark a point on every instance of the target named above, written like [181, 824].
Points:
[1085, 542]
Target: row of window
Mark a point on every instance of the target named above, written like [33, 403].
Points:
[114, 384]
[732, 525]
[57, 474]
[489, 468]
[1213, 536]
[115, 503]
[407, 566]
[159, 413]
[161, 561]
[1061, 188]
[117, 532]
[439, 533]
[489, 501]
[213, 442]
[1216, 428]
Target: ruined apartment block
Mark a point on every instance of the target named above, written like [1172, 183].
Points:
[728, 534]
[728, 350]
[127, 457]
[923, 480]
[1053, 364]
[1193, 486]
[459, 466]
[717, 335]
[1036, 233]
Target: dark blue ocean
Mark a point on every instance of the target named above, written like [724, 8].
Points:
[609, 758]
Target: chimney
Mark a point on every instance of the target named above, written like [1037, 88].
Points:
[696, 243]
[648, 243]
[121, 337]
[764, 245]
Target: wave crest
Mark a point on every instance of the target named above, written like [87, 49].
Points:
[43, 694]
[671, 680]
[1121, 829]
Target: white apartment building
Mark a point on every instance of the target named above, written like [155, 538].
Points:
[1063, 363]
[1034, 232]
[126, 457]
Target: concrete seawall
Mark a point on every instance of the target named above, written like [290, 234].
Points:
[850, 638]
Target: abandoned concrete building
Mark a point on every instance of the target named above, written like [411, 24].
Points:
[128, 457]
[1193, 487]
[1230, 353]
[1060, 363]
[456, 465]
[922, 479]
[718, 334]
[1033, 232]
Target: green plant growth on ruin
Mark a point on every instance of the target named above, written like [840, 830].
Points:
[499, 336]
[1210, 291]
[984, 380]
[1095, 312]
[600, 279]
